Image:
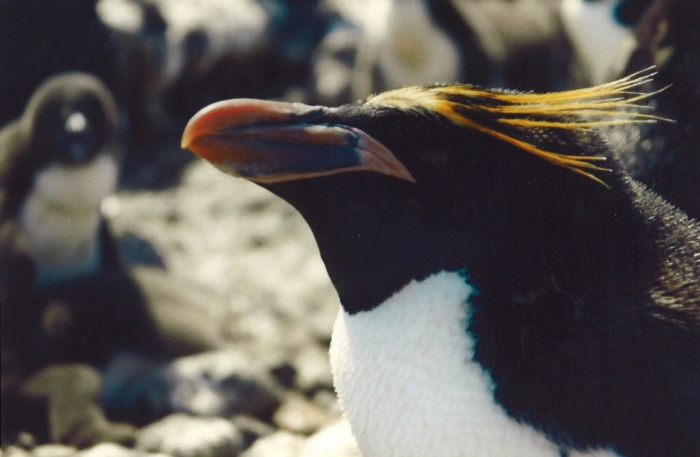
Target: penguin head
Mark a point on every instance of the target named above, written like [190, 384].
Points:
[71, 119]
[422, 179]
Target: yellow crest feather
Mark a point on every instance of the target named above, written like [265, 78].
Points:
[604, 105]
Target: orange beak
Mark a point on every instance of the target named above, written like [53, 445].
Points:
[269, 142]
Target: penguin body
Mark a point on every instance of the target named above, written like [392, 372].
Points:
[70, 305]
[417, 339]
[59, 161]
[498, 270]
[64, 294]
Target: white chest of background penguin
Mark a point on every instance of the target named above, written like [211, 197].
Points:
[503, 295]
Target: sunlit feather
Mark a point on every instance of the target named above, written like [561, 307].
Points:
[605, 105]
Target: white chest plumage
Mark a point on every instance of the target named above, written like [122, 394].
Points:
[408, 384]
[61, 217]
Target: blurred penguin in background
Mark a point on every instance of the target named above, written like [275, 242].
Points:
[162, 44]
[666, 157]
[374, 46]
[521, 39]
[377, 46]
[615, 38]
[71, 307]
[64, 295]
[175, 56]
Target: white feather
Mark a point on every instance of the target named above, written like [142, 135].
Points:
[408, 384]
[61, 216]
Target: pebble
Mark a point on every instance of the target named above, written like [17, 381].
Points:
[251, 428]
[109, 450]
[75, 415]
[299, 415]
[181, 435]
[115, 450]
[313, 369]
[53, 450]
[279, 444]
[14, 451]
[222, 383]
[334, 440]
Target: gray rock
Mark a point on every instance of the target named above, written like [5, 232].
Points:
[334, 440]
[299, 415]
[328, 401]
[181, 435]
[251, 428]
[312, 369]
[115, 450]
[26, 440]
[279, 444]
[14, 451]
[222, 383]
[109, 450]
[75, 416]
[217, 383]
[190, 318]
[243, 243]
[53, 450]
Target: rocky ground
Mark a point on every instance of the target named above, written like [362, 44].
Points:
[240, 270]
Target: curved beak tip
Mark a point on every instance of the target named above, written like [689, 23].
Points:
[186, 140]
[196, 126]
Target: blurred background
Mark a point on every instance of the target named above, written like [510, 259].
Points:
[203, 327]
